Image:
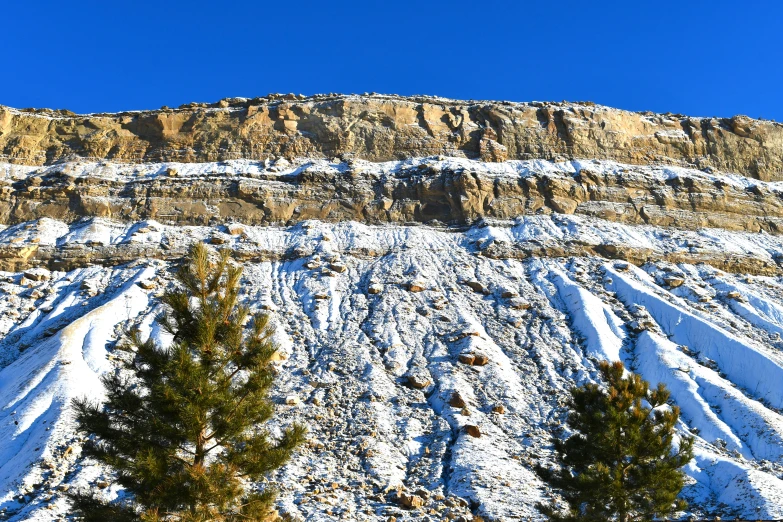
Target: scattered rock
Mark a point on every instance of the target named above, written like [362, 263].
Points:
[375, 288]
[172, 172]
[466, 358]
[218, 240]
[456, 400]
[499, 408]
[508, 294]
[235, 229]
[37, 274]
[673, 281]
[480, 359]
[409, 501]
[292, 400]
[733, 294]
[417, 286]
[338, 267]
[472, 430]
[418, 380]
[147, 284]
[477, 286]
[517, 303]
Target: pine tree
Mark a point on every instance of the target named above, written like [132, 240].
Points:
[621, 463]
[182, 426]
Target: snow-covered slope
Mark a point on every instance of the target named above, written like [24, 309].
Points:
[378, 325]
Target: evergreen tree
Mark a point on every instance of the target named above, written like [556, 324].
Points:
[182, 426]
[620, 464]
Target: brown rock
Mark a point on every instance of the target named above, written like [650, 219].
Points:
[472, 430]
[416, 286]
[37, 274]
[338, 267]
[673, 281]
[456, 400]
[477, 286]
[479, 359]
[499, 408]
[518, 303]
[418, 380]
[235, 229]
[466, 358]
[409, 501]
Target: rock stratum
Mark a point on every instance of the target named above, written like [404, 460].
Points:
[384, 128]
[440, 274]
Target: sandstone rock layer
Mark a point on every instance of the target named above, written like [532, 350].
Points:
[381, 128]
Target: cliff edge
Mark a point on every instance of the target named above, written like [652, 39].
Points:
[382, 128]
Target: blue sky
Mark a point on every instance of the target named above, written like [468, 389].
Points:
[703, 58]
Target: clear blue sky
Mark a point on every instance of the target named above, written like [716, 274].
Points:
[703, 58]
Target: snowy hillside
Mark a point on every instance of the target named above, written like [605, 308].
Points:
[401, 343]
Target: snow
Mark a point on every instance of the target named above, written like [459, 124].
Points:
[714, 342]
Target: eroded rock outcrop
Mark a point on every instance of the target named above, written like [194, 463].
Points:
[426, 191]
[381, 128]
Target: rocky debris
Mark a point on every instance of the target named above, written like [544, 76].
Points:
[480, 359]
[477, 286]
[621, 266]
[673, 281]
[417, 286]
[407, 500]
[418, 379]
[147, 284]
[473, 359]
[218, 240]
[91, 287]
[382, 128]
[338, 267]
[517, 303]
[37, 274]
[235, 229]
[473, 430]
[498, 408]
[466, 358]
[733, 294]
[456, 401]
[293, 400]
[172, 172]
[375, 288]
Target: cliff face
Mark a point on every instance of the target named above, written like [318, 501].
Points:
[437, 274]
[381, 128]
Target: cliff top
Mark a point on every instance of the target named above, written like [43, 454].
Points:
[387, 127]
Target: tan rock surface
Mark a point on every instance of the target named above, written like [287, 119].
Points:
[380, 128]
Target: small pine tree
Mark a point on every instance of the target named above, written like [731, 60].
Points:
[620, 464]
[181, 426]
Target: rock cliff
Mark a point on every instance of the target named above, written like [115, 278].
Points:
[440, 274]
[382, 128]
